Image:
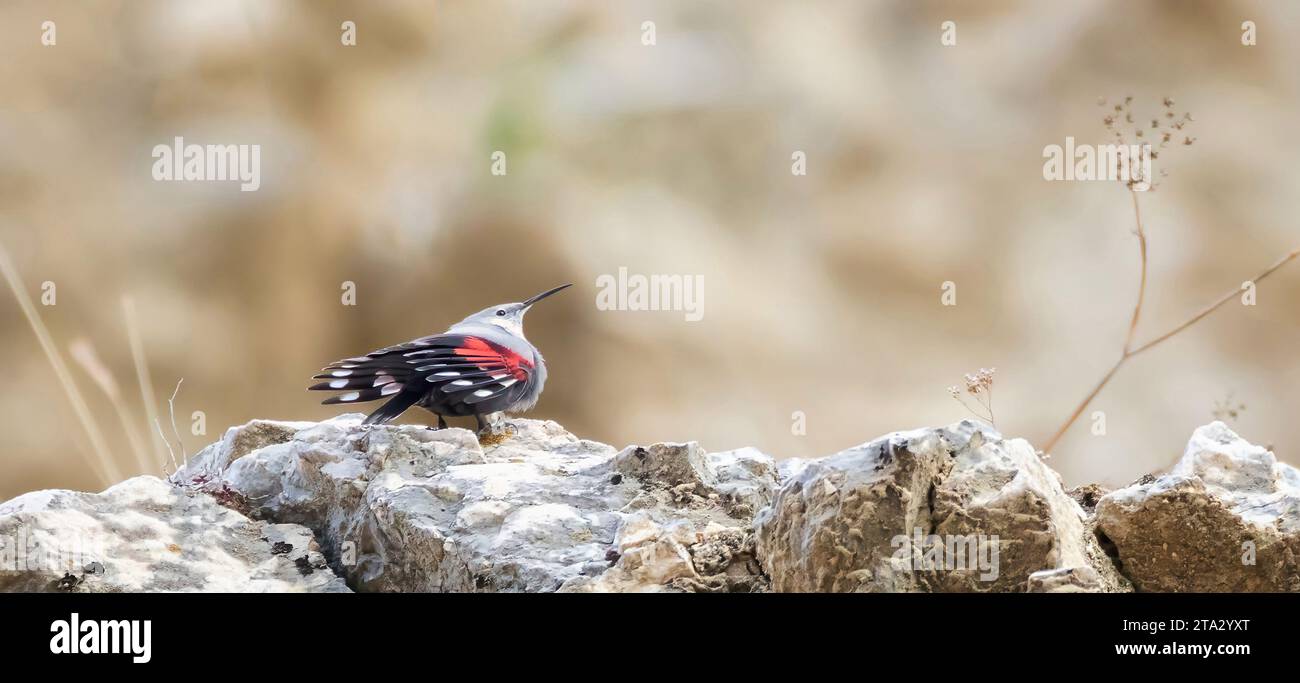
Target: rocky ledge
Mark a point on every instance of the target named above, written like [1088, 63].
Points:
[333, 506]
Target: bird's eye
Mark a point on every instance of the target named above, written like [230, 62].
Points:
[501, 311]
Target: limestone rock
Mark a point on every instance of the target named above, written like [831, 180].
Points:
[144, 534]
[405, 508]
[953, 509]
[1225, 518]
[527, 506]
[1066, 580]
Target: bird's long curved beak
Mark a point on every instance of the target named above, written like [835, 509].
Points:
[545, 294]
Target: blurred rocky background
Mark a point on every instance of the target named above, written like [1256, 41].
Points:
[822, 292]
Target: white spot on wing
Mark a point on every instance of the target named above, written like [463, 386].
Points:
[446, 373]
[338, 383]
[350, 396]
[462, 382]
[341, 373]
[390, 389]
[508, 382]
[382, 380]
[483, 393]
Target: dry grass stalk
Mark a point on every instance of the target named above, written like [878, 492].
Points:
[83, 353]
[142, 372]
[103, 464]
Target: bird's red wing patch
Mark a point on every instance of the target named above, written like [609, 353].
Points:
[490, 355]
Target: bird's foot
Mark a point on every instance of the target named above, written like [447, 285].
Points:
[493, 432]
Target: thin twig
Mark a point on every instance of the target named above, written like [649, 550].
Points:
[1129, 350]
[103, 464]
[175, 467]
[171, 410]
[1212, 307]
[1142, 283]
[988, 418]
[1083, 405]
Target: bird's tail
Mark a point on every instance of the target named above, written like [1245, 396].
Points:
[394, 407]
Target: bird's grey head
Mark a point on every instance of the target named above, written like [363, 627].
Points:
[509, 317]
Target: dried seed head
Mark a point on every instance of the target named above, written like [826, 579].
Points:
[981, 381]
[1164, 128]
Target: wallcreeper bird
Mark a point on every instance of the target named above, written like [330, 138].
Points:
[481, 365]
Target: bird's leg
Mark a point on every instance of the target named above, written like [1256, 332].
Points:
[491, 432]
[442, 422]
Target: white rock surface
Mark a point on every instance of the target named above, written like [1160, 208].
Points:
[534, 508]
[1225, 518]
[954, 509]
[404, 508]
[144, 534]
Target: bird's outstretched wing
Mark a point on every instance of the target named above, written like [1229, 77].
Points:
[465, 371]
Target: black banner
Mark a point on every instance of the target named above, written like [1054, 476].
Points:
[176, 632]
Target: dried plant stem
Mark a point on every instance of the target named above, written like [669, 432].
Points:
[986, 415]
[133, 436]
[1129, 349]
[103, 465]
[175, 467]
[83, 353]
[171, 409]
[1142, 283]
[141, 372]
[1083, 405]
[1229, 296]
